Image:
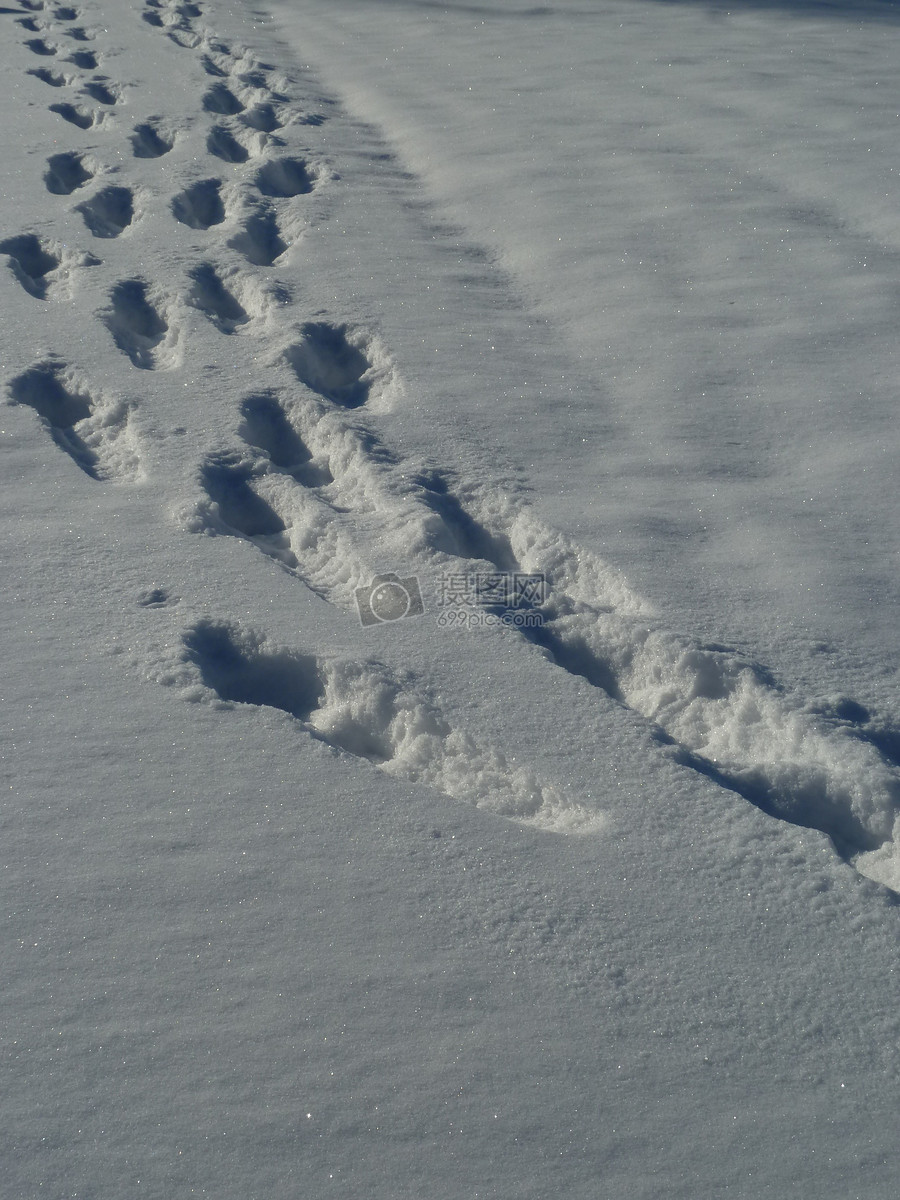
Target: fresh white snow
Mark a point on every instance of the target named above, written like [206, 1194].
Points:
[586, 889]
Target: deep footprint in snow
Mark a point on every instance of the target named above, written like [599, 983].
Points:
[262, 117]
[328, 362]
[53, 78]
[86, 59]
[240, 512]
[136, 325]
[101, 91]
[225, 145]
[31, 262]
[200, 205]
[60, 408]
[66, 172]
[283, 178]
[362, 710]
[108, 213]
[260, 241]
[94, 431]
[41, 47]
[240, 672]
[149, 141]
[221, 100]
[266, 427]
[210, 295]
[84, 118]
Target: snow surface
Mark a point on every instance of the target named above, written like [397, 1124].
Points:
[300, 295]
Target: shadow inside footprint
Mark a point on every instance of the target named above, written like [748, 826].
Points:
[137, 328]
[328, 363]
[86, 59]
[220, 99]
[210, 295]
[285, 177]
[41, 389]
[99, 91]
[200, 205]
[148, 142]
[262, 117]
[53, 78]
[266, 427]
[82, 117]
[30, 262]
[224, 145]
[109, 212]
[260, 242]
[237, 669]
[39, 46]
[466, 537]
[226, 481]
[65, 172]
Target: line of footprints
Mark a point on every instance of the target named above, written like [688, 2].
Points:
[309, 484]
[289, 488]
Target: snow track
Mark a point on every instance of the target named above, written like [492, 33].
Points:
[305, 476]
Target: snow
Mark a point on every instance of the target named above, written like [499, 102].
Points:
[462, 902]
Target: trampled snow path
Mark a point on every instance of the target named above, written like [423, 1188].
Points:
[307, 479]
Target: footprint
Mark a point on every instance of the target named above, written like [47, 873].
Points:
[53, 78]
[65, 13]
[210, 295]
[266, 427]
[31, 262]
[260, 241]
[200, 205]
[96, 433]
[363, 710]
[66, 172]
[285, 177]
[78, 34]
[137, 327]
[185, 39]
[99, 90]
[261, 117]
[155, 598]
[85, 59]
[108, 213]
[29, 24]
[465, 537]
[224, 145]
[212, 68]
[40, 46]
[221, 100]
[240, 512]
[149, 141]
[331, 360]
[84, 118]
[239, 669]
[152, 18]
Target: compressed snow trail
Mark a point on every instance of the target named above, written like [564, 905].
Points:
[320, 843]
